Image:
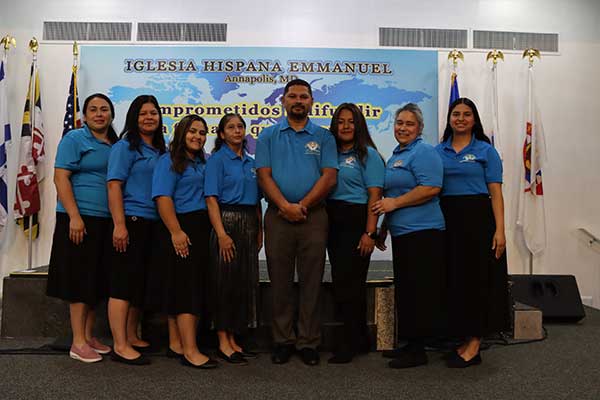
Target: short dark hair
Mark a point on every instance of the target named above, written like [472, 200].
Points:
[111, 134]
[297, 82]
[477, 128]
[131, 130]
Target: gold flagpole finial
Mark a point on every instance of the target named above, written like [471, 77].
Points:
[75, 48]
[34, 45]
[495, 55]
[7, 41]
[531, 53]
[455, 55]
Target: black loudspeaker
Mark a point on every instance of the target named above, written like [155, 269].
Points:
[556, 295]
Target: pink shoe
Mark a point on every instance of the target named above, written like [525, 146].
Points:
[84, 353]
[99, 347]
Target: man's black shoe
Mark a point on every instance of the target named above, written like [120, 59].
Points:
[309, 356]
[282, 353]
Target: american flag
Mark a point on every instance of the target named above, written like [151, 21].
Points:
[72, 120]
[31, 156]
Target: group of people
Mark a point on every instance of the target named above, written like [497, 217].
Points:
[174, 231]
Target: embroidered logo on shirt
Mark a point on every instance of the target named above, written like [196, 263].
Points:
[312, 148]
[468, 158]
[253, 171]
[349, 162]
[397, 163]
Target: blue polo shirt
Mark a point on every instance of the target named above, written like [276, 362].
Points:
[416, 164]
[134, 168]
[295, 158]
[186, 189]
[354, 177]
[471, 169]
[87, 159]
[231, 178]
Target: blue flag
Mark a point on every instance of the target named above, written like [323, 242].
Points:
[453, 88]
[4, 140]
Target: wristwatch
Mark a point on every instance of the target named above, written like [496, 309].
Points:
[372, 235]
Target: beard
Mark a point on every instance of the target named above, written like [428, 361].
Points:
[298, 111]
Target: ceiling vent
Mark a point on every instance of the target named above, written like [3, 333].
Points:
[80, 31]
[420, 37]
[181, 32]
[515, 40]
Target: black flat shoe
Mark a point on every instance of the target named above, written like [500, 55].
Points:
[210, 364]
[341, 358]
[459, 362]
[141, 360]
[282, 353]
[394, 353]
[173, 354]
[235, 358]
[144, 349]
[248, 354]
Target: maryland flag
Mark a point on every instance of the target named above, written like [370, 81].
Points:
[531, 217]
[31, 156]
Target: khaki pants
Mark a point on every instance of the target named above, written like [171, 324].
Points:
[290, 245]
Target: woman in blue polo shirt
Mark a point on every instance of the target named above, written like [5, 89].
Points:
[135, 219]
[178, 189]
[232, 198]
[78, 269]
[352, 227]
[413, 179]
[473, 207]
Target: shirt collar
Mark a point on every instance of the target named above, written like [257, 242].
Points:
[309, 128]
[447, 144]
[231, 154]
[409, 147]
[90, 135]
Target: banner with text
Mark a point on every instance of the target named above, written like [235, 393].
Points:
[213, 81]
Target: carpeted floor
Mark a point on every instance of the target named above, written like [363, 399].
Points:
[564, 366]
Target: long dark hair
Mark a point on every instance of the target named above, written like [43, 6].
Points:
[221, 128]
[111, 133]
[477, 128]
[177, 147]
[131, 130]
[362, 138]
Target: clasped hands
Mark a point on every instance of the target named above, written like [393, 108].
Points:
[294, 212]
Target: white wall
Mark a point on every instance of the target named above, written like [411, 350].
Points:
[567, 86]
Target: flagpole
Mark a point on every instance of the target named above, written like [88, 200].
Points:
[530, 54]
[33, 46]
[75, 94]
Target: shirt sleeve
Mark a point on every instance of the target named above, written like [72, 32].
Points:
[374, 169]
[263, 149]
[68, 154]
[120, 161]
[213, 177]
[493, 167]
[427, 167]
[164, 178]
[329, 156]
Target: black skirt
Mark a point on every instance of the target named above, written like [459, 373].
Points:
[176, 285]
[478, 299]
[79, 273]
[129, 270]
[419, 283]
[234, 286]
[349, 269]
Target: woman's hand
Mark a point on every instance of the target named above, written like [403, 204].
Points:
[366, 245]
[384, 206]
[226, 248]
[76, 229]
[181, 241]
[120, 238]
[380, 241]
[499, 243]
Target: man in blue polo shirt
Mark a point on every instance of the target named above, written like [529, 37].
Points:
[297, 167]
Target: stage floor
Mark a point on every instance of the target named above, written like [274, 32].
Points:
[564, 366]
